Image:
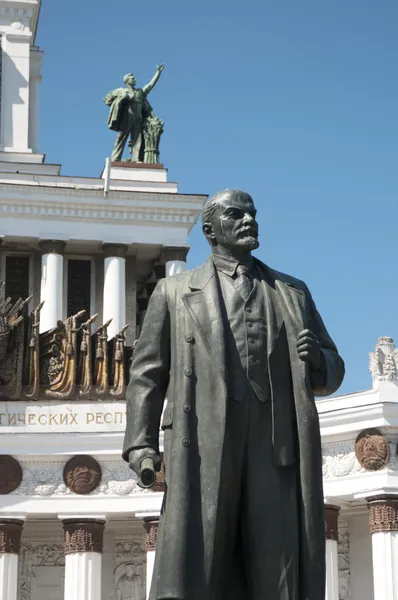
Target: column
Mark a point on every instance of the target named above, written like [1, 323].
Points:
[114, 304]
[51, 290]
[36, 56]
[175, 259]
[2, 266]
[10, 543]
[83, 547]
[332, 565]
[383, 525]
[151, 525]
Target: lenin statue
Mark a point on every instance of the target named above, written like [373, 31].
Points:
[241, 351]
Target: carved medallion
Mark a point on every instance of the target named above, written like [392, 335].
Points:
[10, 474]
[82, 474]
[372, 449]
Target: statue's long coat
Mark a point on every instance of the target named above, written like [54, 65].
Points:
[121, 119]
[181, 349]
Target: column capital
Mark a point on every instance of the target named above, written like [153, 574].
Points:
[160, 484]
[52, 246]
[331, 521]
[175, 253]
[151, 525]
[10, 535]
[83, 535]
[114, 250]
[383, 513]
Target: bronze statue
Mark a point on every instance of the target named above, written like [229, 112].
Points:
[132, 115]
[241, 350]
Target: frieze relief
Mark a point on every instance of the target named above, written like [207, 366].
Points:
[33, 556]
[47, 480]
[128, 549]
[130, 571]
[343, 550]
[339, 460]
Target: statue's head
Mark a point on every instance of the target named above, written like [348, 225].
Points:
[229, 221]
[129, 79]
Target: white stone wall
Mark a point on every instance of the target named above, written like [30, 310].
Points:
[360, 553]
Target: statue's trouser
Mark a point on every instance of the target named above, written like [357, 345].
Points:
[118, 148]
[120, 143]
[257, 519]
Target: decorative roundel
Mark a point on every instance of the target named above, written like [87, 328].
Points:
[82, 474]
[372, 449]
[10, 474]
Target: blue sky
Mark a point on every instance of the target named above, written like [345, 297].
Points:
[294, 102]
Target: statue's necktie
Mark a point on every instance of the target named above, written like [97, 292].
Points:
[243, 282]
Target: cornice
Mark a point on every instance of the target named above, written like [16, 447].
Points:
[97, 192]
[345, 415]
[98, 213]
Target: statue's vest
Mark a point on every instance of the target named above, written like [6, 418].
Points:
[246, 333]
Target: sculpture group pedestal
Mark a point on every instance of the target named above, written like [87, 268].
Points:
[147, 177]
[137, 165]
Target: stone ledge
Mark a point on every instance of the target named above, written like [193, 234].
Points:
[135, 165]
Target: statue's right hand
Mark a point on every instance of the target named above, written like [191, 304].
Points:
[137, 456]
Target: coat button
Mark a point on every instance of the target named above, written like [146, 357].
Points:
[250, 324]
[187, 371]
[248, 309]
[186, 408]
[186, 442]
[189, 338]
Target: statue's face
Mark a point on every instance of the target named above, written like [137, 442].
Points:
[131, 80]
[234, 222]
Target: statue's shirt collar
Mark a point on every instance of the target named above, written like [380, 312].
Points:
[229, 265]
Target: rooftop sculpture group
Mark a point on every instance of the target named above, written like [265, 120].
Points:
[132, 116]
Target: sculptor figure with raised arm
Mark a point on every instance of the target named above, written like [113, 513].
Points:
[132, 116]
[241, 351]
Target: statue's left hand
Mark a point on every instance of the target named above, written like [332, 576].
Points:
[160, 68]
[309, 349]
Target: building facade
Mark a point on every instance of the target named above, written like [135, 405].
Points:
[79, 258]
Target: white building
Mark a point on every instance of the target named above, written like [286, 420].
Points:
[74, 525]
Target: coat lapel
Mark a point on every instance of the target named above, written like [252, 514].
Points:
[203, 304]
[285, 302]
[293, 306]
